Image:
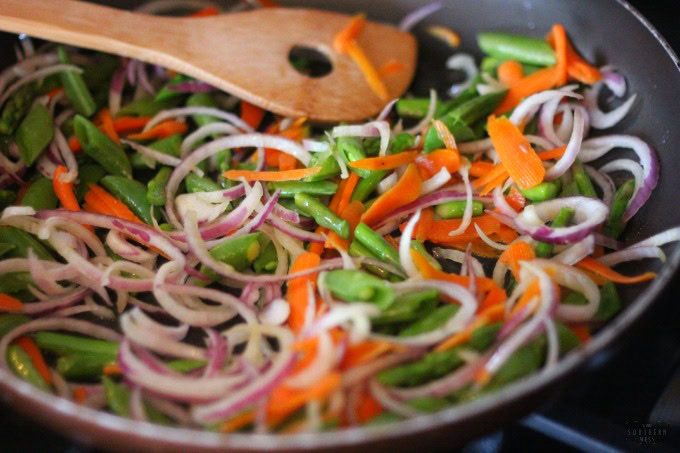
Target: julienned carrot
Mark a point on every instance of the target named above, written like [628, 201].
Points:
[287, 162]
[480, 168]
[554, 153]
[111, 369]
[560, 40]
[102, 202]
[30, 348]
[367, 408]
[577, 67]
[406, 190]
[126, 124]
[364, 352]
[289, 175]
[54, 92]
[582, 332]
[161, 130]
[434, 161]
[541, 80]
[251, 114]
[386, 162]
[238, 422]
[64, 190]
[79, 394]
[297, 289]
[444, 134]
[497, 181]
[285, 400]
[445, 34]
[349, 33]
[598, 268]
[424, 224]
[490, 315]
[352, 213]
[74, 144]
[438, 230]
[347, 191]
[532, 291]
[515, 153]
[429, 272]
[477, 247]
[496, 296]
[519, 251]
[9, 303]
[489, 176]
[105, 123]
[371, 75]
[391, 67]
[510, 72]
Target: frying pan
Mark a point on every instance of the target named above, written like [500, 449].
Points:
[604, 31]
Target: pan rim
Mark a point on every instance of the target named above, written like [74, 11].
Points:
[183, 437]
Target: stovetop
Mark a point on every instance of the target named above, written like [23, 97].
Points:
[628, 401]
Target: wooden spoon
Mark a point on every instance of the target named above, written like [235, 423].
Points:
[243, 53]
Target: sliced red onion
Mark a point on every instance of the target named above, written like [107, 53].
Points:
[37, 75]
[276, 312]
[382, 395]
[257, 388]
[604, 182]
[614, 81]
[436, 182]
[373, 129]
[217, 352]
[600, 119]
[606, 241]
[501, 204]
[192, 86]
[466, 63]
[467, 214]
[285, 214]
[629, 166]
[354, 317]
[573, 148]
[528, 107]
[209, 111]
[488, 240]
[476, 146]
[458, 257]
[143, 79]
[323, 363]
[158, 156]
[116, 89]
[405, 247]
[546, 122]
[216, 128]
[263, 214]
[66, 154]
[589, 213]
[41, 277]
[315, 146]
[387, 183]
[56, 302]
[385, 112]
[632, 254]
[491, 86]
[577, 251]
[118, 245]
[418, 15]
[293, 231]
[427, 119]
[23, 67]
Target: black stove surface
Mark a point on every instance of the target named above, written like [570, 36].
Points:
[629, 401]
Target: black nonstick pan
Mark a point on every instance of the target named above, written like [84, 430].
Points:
[605, 31]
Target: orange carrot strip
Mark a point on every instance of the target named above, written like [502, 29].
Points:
[560, 40]
[105, 203]
[492, 314]
[515, 153]
[541, 80]
[496, 296]
[519, 251]
[480, 168]
[287, 162]
[406, 190]
[297, 289]
[349, 33]
[74, 144]
[364, 352]
[251, 114]
[347, 191]
[516, 199]
[434, 161]
[554, 153]
[489, 176]
[438, 230]
[510, 72]
[367, 408]
[447, 35]
[352, 213]
[577, 67]
[582, 332]
[161, 130]
[484, 284]
[289, 175]
[498, 181]
[9, 303]
[111, 369]
[79, 395]
[64, 190]
[285, 400]
[386, 162]
[598, 268]
[105, 123]
[533, 290]
[317, 247]
[30, 348]
[238, 422]
[368, 70]
[424, 224]
[126, 124]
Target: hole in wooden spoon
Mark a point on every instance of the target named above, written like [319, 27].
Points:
[309, 62]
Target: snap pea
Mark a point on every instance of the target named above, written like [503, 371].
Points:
[16, 107]
[408, 307]
[62, 344]
[239, 253]
[34, 133]
[83, 366]
[396, 144]
[376, 244]
[266, 261]
[9, 321]
[615, 224]
[359, 286]
[322, 215]
[384, 418]
[464, 96]
[483, 336]
[523, 49]
[75, 88]
[436, 319]
[185, 365]
[522, 362]
[432, 366]
[456, 209]
[88, 174]
[420, 248]
[5, 248]
[350, 149]
[169, 145]
[155, 188]
[22, 242]
[566, 338]
[147, 107]
[366, 186]
[543, 191]
[490, 65]
[585, 185]
[224, 160]
[166, 92]
[101, 148]
[289, 203]
[133, 194]
[570, 189]
[16, 284]
[22, 365]
[197, 183]
[429, 404]
[415, 107]
[356, 248]
[544, 249]
[610, 303]
[118, 399]
[202, 100]
[329, 166]
[40, 195]
[290, 188]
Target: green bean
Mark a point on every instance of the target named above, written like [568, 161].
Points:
[456, 209]
[117, 397]
[432, 366]
[329, 166]
[40, 195]
[522, 362]
[290, 188]
[356, 248]
[351, 150]
[88, 174]
[97, 74]
[23, 366]
[197, 183]
[376, 244]
[420, 248]
[224, 160]
[202, 100]
[367, 185]
[408, 308]
[169, 145]
[483, 336]
[402, 142]
[585, 185]
[490, 65]
[5, 248]
[415, 107]
[34, 133]
[566, 338]
[266, 261]
[429, 404]
[610, 303]
[75, 88]
[570, 189]
[434, 320]
[84, 366]
[239, 253]
[359, 286]
[22, 242]
[155, 188]
[9, 321]
[384, 418]
[322, 215]
[62, 344]
[166, 92]
[101, 148]
[463, 97]
[615, 224]
[544, 191]
[133, 194]
[523, 49]
[16, 107]
[544, 249]
[289, 203]
[147, 107]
